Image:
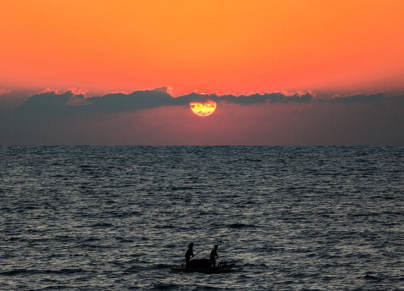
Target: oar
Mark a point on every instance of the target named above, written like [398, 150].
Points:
[197, 253]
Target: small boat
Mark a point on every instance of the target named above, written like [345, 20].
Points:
[222, 267]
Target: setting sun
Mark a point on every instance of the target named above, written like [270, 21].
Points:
[203, 109]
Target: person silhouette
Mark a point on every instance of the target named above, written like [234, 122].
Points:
[213, 256]
[188, 254]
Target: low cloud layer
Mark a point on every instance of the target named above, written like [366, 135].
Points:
[71, 103]
[156, 117]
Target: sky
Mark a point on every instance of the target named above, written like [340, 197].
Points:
[291, 72]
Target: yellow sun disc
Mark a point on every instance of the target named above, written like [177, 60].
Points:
[203, 109]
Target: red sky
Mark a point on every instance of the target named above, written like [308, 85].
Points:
[208, 45]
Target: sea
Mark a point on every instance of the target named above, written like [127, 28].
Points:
[120, 217]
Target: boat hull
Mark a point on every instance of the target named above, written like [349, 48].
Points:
[210, 270]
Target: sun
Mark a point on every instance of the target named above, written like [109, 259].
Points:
[203, 109]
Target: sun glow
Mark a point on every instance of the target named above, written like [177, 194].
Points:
[203, 109]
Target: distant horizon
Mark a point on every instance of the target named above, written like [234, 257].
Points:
[156, 117]
[162, 146]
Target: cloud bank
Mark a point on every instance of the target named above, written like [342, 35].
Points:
[71, 103]
[156, 117]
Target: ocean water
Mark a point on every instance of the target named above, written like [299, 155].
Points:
[118, 218]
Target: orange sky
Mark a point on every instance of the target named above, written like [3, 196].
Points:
[225, 46]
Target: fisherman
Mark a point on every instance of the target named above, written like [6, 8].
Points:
[213, 256]
[189, 253]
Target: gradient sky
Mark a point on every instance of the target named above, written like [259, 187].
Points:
[229, 47]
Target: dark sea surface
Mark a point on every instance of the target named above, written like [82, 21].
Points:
[118, 218]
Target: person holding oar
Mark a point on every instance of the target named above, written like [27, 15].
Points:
[213, 256]
[189, 254]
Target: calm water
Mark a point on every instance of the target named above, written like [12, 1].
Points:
[117, 218]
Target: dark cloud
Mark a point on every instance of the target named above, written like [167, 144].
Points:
[70, 103]
[277, 97]
[49, 103]
[359, 98]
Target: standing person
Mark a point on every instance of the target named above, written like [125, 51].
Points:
[189, 253]
[213, 256]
